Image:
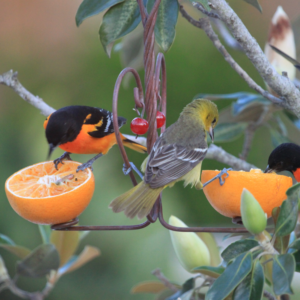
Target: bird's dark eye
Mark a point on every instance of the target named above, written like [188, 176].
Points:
[214, 121]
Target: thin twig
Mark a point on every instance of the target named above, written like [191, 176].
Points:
[204, 11]
[10, 79]
[281, 85]
[160, 276]
[269, 296]
[229, 40]
[217, 153]
[206, 26]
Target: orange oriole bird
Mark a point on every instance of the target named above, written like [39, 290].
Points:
[285, 157]
[176, 155]
[84, 130]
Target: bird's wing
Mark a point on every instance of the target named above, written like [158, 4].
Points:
[168, 163]
[103, 123]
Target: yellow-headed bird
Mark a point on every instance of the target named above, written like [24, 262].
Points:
[176, 155]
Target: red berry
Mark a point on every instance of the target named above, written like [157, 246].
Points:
[139, 126]
[160, 119]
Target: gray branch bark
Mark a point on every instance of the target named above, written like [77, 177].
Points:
[280, 84]
[10, 79]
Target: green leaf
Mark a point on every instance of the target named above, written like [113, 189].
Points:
[295, 244]
[45, 231]
[231, 278]
[214, 272]
[66, 243]
[118, 21]
[255, 3]
[287, 218]
[297, 260]
[39, 262]
[293, 131]
[251, 288]
[283, 272]
[153, 287]
[228, 131]
[281, 243]
[277, 138]
[90, 8]
[9, 245]
[165, 23]
[204, 3]
[237, 248]
[76, 262]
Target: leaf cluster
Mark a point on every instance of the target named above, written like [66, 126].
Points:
[52, 259]
[249, 266]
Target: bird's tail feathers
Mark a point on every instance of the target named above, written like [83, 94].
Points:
[138, 201]
[137, 144]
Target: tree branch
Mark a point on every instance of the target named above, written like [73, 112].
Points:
[10, 79]
[160, 276]
[280, 84]
[218, 154]
[206, 26]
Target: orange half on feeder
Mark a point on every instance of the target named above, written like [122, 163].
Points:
[43, 195]
[269, 189]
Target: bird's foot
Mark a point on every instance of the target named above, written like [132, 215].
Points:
[126, 170]
[219, 176]
[59, 160]
[89, 163]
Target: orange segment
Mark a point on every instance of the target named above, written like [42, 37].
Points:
[268, 189]
[43, 195]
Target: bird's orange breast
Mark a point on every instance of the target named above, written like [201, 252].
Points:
[86, 144]
[297, 174]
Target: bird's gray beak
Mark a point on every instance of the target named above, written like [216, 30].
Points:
[268, 170]
[211, 133]
[51, 148]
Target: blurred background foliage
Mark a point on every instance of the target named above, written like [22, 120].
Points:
[66, 65]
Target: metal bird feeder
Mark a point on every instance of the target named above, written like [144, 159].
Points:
[155, 90]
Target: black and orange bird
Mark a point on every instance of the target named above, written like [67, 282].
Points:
[85, 130]
[285, 157]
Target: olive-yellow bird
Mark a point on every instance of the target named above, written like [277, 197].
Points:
[176, 155]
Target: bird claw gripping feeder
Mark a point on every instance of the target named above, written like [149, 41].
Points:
[155, 91]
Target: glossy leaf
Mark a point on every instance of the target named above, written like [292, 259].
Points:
[66, 243]
[295, 244]
[287, 218]
[233, 275]
[281, 243]
[165, 23]
[228, 131]
[153, 287]
[90, 8]
[254, 3]
[9, 245]
[187, 286]
[297, 260]
[237, 248]
[39, 262]
[251, 288]
[214, 272]
[45, 231]
[277, 138]
[118, 21]
[283, 272]
[76, 262]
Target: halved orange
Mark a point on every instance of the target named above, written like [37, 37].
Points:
[269, 189]
[43, 195]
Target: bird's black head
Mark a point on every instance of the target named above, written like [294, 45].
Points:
[64, 125]
[285, 157]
